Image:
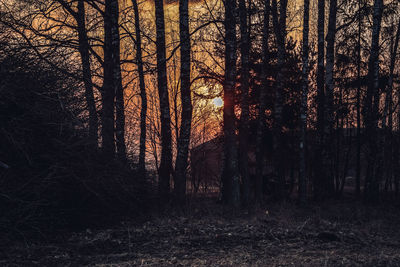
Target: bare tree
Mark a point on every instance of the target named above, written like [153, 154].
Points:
[319, 179]
[261, 112]
[244, 100]
[304, 105]
[231, 175]
[279, 22]
[112, 77]
[186, 116]
[165, 117]
[143, 95]
[329, 93]
[80, 16]
[371, 107]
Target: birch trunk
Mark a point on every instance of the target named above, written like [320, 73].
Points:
[143, 96]
[117, 80]
[108, 90]
[165, 117]
[186, 115]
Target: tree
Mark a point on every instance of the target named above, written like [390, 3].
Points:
[83, 47]
[329, 94]
[280, 33]
[371, 107]
[244, 100]
[143, 95]
[165, 117]
[304, 104]
[186, 116]
[262, 105]
[231, 189]
[320, 174]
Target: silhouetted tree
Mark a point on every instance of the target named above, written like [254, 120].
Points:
[186, 116]
[165, 117]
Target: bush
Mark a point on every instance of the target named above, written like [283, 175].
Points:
[55, 178]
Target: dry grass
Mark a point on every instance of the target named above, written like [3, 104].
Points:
[333, 234]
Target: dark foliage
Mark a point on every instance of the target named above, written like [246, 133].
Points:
[55, 178]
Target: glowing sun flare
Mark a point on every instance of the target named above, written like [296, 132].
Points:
[218, 102]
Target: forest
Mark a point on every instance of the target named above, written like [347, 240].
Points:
[199, 132]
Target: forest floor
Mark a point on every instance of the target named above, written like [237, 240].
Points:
[332, 234]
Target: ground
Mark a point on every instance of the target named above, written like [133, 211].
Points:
[332, 234]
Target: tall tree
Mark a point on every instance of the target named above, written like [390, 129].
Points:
[279, 22]
[244, 100]
[165, 117]
[371, 107]
[262, 107]
[113, 12]
[110, 81]
[389, 103]
[83, 47]
[186, 116]
[358, 103]
[319, 169]
[143, 95]
[86, 73]
[329, 92]
[231, 188]
[304, 105]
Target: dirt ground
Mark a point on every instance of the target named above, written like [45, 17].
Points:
[333, 234]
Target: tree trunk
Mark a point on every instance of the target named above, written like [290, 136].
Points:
[319, 166]
[117, 81]
[143, 96]
[108, 90]
[87, 74]
[280, 32]
[261, 112]
[231, 175]
[371, 107]
[304, 106]
[186, 115]
[358, 103]
[244, 101]
[165, 117]
[329, 91]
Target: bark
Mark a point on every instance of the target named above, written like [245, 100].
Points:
[358, 159]
[165, 117]
[109, 85]
[87, 74]
[143, 96]
[117, 80]
[231, 175]
[392, 65]
[304, 105]
[280, 33]
[261, 112]
[371, 107]
[244, 101]
[83, 48]
[388, 143]
[329, 90]
[186, 115]
[319, 167]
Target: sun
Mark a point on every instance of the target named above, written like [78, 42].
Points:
[218, 102]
